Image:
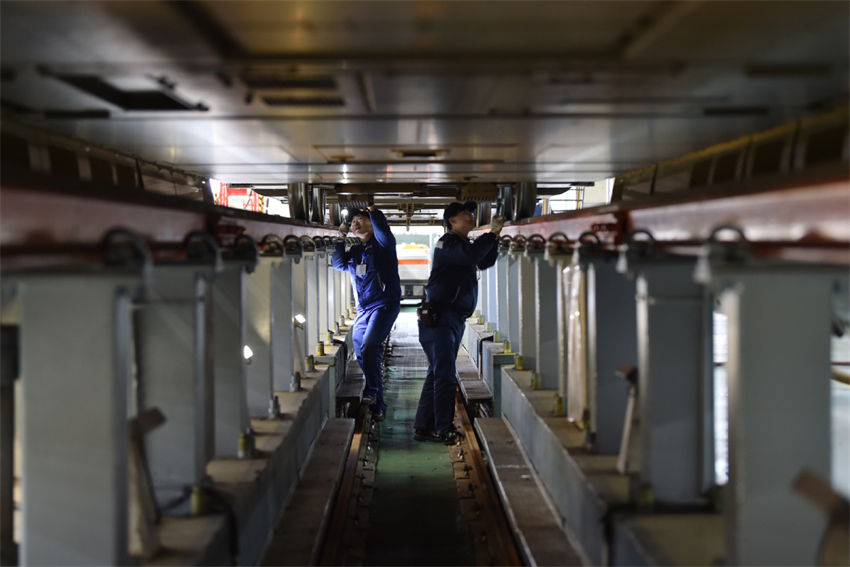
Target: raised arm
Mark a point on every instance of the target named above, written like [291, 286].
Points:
[381, 228]
[340, 257]
[491, 255]
[454, 251]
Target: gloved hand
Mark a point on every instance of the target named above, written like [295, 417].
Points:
[496, 224]
[343, 230]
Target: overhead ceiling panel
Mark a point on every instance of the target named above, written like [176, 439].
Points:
[508, 91]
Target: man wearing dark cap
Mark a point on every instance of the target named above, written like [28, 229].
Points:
[452, 290]
[373, 265]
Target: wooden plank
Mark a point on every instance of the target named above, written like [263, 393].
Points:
[541, 537]
[299, 534]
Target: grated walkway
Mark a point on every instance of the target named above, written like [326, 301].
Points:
[415, 516]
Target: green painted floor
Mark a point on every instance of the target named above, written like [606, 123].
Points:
[415, 516]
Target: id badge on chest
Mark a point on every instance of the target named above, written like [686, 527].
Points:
[361, 269]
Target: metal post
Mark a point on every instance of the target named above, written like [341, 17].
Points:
[526, 327]
[611, 342]
[572, 354]
[175, 377]
[492, 307]
[503, 291]
[673, 314]
[779, 416]
[483, 296]
[340, 299]
[287, 280]
[335, 293]
[75, 369]
[493, 357]
[229, 370]
[323, 295]
[313, 297]
[546, 304]
[298, 293]
[258, 309]
[515, 300]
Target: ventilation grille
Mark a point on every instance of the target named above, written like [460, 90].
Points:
[273, 82]
[302, 101]
[128, 99]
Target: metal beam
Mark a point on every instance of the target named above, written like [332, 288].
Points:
[39, 226]
[800, 222]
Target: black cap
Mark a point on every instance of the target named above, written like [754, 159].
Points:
[455, 208]
[354, 212]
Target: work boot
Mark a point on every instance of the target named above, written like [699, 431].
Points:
[423, 435]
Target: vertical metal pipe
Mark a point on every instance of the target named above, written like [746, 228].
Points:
[317, 205]
[335, 218]
[484, 215]
[505, 206]
[525, 199]
[299, 201]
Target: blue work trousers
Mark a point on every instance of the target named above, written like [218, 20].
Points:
[436, 409]
[371, 327]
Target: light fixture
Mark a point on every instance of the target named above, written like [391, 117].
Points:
[344, 213]
[247, 354]
[299, 320]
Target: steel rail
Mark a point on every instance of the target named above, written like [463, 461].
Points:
[500, 538]
[333, 540]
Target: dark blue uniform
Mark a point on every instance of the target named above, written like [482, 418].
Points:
[453, 289]
[374, 267]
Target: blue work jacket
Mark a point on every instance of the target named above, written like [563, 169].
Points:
[454, 282]
[378, 283]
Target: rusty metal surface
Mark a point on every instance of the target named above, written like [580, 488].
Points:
[806, 222]
[47, 228]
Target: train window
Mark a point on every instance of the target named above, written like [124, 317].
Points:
[769, 158]
[101, 171]
[63, 162]
[726, 168]
[671, 181]
[15, 150]
[700, 173]
[634, 185]
[826, 146]
[126, 176]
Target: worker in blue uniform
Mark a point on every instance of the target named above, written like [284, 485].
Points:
[452, 293]
[373, 265]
